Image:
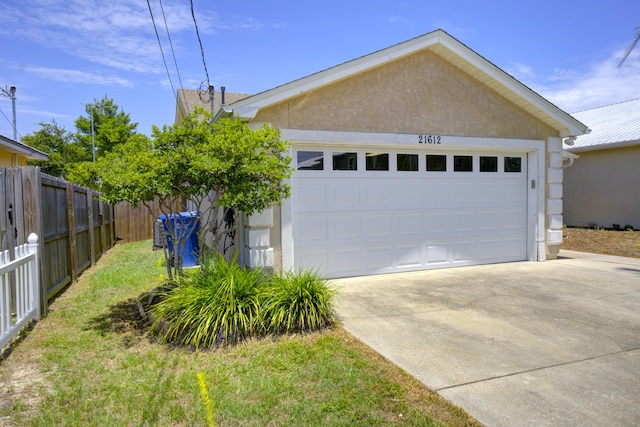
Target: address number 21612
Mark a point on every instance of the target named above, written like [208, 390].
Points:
[429, 139]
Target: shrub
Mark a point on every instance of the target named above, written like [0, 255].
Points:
[296, 302]
[216, 304]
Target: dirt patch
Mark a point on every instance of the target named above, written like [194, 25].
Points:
[21, 388]
[608, 242]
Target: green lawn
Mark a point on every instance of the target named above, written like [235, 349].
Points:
[90, 363]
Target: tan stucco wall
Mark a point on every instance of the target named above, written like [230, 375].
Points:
[603, 188]
[422, 93]
[6, 160]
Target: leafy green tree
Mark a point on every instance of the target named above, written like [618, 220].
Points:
[111, 127]
[61, 146]
[214, 165]
[70, 154]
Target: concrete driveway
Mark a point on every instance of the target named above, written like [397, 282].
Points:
[518, 344]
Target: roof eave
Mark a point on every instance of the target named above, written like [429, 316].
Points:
[610, 145]
[448, 48]
[511, 88]
[21, 149]
[245, 113]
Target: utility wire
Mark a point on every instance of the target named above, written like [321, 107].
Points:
[162, 52]
[201, 91]
[10, 122]
[175, 62]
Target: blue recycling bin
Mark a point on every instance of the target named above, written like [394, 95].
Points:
[186, 225]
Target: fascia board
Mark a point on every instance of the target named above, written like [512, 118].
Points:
[19, 148]
[225, 111]
[572, 127]
[338, 72]
[611, 145]
[563, 122]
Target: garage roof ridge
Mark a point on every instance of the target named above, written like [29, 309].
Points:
[441, 43]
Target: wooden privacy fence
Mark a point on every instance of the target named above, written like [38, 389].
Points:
[77, 230]
[19, 289]
[75, 226]
[136, 224]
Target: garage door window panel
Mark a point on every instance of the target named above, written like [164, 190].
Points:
[488, 164]
[377, 161]
[310, 160]
[513, 164]
[463, 163]
[407, 162]
[345, 161]
[436, 163]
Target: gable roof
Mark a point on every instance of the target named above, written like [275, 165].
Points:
[443, 45]
[15, 147]
[612, 126]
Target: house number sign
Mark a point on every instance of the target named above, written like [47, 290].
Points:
[429, 139]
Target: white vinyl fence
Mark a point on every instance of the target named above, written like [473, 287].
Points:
[19, 290]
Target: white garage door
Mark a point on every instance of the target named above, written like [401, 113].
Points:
[358, 211]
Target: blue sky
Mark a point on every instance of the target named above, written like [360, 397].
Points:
[63, 54]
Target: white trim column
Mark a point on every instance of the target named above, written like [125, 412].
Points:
[258, 240]
[554, 198]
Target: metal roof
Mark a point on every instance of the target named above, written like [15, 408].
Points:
[612, 126]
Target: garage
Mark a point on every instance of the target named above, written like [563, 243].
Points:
[418, 156]
[369, 211]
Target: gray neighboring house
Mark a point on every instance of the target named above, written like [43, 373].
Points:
[602, 187]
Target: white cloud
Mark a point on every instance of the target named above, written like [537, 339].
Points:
[398, 20]
[118, 33]
[522, 72]
[601, 83]
[76, 76]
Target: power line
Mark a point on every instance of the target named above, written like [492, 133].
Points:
[10, 122]
[161, 50]
[204, 62]
[173, 53]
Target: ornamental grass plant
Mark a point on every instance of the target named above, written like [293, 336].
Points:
[296, 301]
[224, 303]
[214, 305]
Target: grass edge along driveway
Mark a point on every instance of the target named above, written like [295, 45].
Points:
[90, 363]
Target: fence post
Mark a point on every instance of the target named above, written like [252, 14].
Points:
[34, 274]
[34, 222]
[103, 228]
[73, 258]
[92, 237]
